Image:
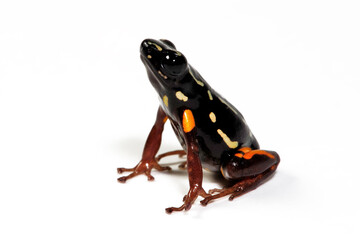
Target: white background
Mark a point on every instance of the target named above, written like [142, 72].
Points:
[75, 104]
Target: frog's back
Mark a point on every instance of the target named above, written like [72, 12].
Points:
[221, 128]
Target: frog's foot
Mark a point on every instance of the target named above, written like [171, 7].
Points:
[189, 199]
[234, 191]
[258, 160]
[143, 167]
[240, 188]
[183, 165]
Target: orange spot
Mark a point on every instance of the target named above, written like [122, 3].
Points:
[250, 154]
[165, 119]
[244, 149]
[247, 153]
[188, 121]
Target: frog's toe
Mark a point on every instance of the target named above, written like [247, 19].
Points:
[162, 168]
[183, 165]
[121, 170]
[122, 179]
[135, 173]
[205, 201]
[173, 209]
[149, 177]
[143, 167]
[186, 206]
[215, 190]
[219, 193]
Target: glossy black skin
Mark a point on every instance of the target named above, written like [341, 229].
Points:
[213, 151]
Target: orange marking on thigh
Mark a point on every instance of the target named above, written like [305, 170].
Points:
[188, 121]
[250, 154]
[244, 149]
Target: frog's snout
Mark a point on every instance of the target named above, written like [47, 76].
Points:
[144, 45]
[149, 46]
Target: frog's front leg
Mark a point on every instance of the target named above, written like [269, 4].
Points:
[152, 145]
[248, 168]
[193, 164]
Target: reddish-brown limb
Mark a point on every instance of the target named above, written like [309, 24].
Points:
[195, 174]
[143, 167]
[189, 199]
[135, 170]
[181, 153]
[243, 186]
[152, 145]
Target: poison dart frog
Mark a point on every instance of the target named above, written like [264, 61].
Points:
[213, 133]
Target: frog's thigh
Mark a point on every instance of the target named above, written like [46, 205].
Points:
[248, 169]
[248, 163]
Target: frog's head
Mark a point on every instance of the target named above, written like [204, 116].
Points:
[165, 65]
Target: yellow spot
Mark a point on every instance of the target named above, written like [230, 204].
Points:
[163, 75]
[244, 149]
[231, 144]
[188, 121]
[157, 46]
[197, 81]
[181, 96]
[210, 96]
[212, 117]
[149, 56]
[166, 100]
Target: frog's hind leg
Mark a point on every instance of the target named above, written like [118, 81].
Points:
[248, 169]
[181, 153]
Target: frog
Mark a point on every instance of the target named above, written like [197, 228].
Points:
[212, 132]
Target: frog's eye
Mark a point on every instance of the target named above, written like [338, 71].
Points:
[167, 42]
[174, 63]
